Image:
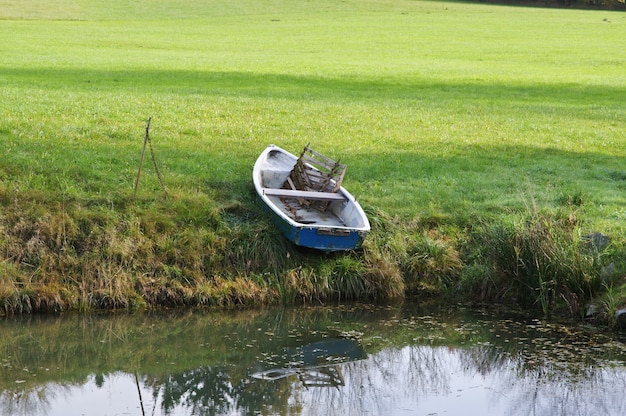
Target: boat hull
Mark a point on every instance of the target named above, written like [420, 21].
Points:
[320, 238]
[343, 227]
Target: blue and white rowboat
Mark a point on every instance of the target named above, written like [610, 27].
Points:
[342, 226]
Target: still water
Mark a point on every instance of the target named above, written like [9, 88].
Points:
[350, 360]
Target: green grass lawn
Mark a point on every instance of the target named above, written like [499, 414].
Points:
[439, 109]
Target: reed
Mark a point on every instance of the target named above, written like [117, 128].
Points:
[539, 261]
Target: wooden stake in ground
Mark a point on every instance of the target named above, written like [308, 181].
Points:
[146, 141]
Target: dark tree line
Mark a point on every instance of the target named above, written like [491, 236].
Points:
[574, 4]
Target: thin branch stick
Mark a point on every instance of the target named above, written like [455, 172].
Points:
[156, 168]
[143, 152]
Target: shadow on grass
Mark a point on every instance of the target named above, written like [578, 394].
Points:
[252, 85]
[488, 180]
[401, 179]
[487, 159]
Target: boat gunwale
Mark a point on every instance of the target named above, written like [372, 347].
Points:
[348, 198]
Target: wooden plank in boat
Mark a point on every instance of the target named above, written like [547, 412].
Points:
[312, 195]
[314, 172]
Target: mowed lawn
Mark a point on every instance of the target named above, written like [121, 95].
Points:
[439, 109]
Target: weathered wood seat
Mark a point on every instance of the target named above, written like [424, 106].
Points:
[309, 195]
[314, 172]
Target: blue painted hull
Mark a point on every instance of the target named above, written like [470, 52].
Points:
[320, 238]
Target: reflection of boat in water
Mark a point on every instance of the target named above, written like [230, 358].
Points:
[321, 376]
[318, 363]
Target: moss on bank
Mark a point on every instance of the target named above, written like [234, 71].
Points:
[66, 253]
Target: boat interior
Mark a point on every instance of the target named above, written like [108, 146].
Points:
[340, 212]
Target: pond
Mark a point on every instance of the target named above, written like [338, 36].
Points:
[406, 359]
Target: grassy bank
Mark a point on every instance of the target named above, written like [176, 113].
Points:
[484, 141]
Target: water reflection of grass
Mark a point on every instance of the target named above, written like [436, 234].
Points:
[73, 347]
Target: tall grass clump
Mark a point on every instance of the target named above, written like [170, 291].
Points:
[433, 262]
[540, 261]
[418, 257]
